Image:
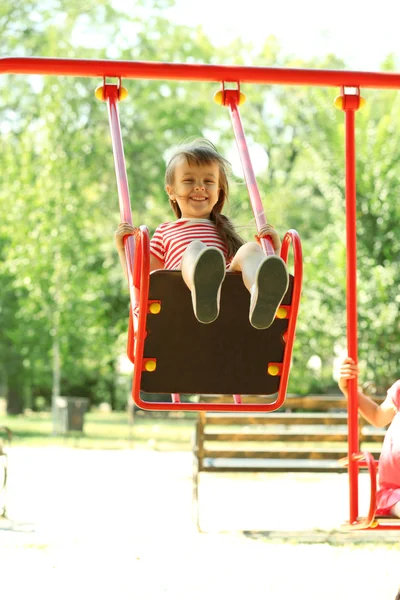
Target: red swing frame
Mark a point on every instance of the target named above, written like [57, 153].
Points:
[261, 75]
[139, 269]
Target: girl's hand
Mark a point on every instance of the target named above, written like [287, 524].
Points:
[268, 231]
[348, 370]
[122, 231]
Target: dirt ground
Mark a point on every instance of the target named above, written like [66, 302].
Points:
[119, 524]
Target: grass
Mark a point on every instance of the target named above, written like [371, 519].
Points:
[169, 431]
[108, 431]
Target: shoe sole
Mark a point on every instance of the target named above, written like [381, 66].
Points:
[272, 282]
[209, 274]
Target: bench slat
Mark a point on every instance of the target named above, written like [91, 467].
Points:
[289, 454]
[272, 465]
[302, 402]
[282, 436]
[278, 418]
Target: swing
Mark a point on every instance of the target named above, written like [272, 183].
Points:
[170, 350]
[373, 521]
[147, 359]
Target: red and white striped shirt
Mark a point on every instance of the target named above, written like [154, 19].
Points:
[170, 240]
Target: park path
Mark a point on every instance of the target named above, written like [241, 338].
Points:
[118, 524]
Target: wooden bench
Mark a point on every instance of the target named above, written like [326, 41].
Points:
[308, 434]
[5, 440]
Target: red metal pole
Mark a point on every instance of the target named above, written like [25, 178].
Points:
[197, 72]
[351, 104]
[142, 281]
[291, 237]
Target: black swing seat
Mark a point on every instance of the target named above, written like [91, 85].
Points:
[228, 356]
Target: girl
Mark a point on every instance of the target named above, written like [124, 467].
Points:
[388, 495]
[202, 242]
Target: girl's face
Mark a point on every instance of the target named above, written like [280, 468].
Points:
[195, 189]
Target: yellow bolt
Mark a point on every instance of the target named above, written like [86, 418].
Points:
[155, 308]
[374, 524]
[219, 97]
[338, 102]
[123, 93]
[99, 92]
[150, 365]
[281, 313]
[273, 370]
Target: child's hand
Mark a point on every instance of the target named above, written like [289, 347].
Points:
[348, 370]
[123, 230]
[268, 231]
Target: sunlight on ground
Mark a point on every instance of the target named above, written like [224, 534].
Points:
[119, 524]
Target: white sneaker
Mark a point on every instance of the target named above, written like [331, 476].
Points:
[209, 273]
[267, 293]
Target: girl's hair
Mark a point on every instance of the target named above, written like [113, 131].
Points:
[203, 152]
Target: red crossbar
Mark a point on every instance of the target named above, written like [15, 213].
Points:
[198, 72]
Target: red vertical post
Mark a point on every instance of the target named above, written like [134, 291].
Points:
[350, 104]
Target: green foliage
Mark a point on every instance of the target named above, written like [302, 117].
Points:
[106, 431]
[60, 282]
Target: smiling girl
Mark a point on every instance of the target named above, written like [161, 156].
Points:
[202, 242]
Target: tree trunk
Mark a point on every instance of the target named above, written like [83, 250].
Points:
[15, 388]
[56, 366]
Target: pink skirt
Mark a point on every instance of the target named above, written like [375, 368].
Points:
[386, 498]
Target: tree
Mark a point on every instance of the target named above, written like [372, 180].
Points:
[63, 297]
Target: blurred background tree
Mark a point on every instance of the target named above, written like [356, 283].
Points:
[63, 298]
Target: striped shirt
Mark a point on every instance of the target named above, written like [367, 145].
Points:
[170, 240]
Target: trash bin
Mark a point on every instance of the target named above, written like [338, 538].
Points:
[69, 414]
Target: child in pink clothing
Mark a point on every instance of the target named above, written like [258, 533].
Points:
[388, 495]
